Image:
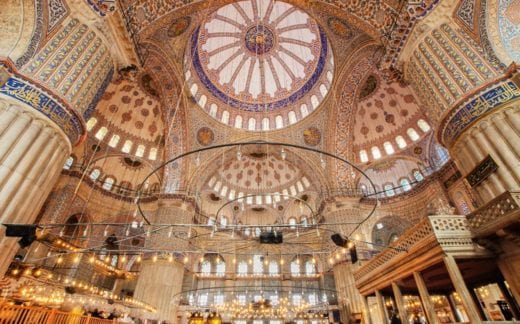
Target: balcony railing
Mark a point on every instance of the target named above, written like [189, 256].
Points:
[24, 314]
[497, 214]
[430, 239]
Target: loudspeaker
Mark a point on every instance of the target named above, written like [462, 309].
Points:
[19, 230]
[271, 238]
[339, 240]
[26, 232]
[353, 254]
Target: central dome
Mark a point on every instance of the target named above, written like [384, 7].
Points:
[259, 61]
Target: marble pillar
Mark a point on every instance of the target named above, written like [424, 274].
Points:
[158, 283]
[398, 296]
[460, 287]
[346, 288]
[425, 298]
[32, 154]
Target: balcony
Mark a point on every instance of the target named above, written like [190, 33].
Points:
[498, 214]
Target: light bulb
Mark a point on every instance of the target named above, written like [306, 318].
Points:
[239, 155]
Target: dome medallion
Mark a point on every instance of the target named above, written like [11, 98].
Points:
[259, 65]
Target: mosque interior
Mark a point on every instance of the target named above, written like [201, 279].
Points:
[260, 161]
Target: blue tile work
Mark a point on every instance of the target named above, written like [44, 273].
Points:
[259, 107]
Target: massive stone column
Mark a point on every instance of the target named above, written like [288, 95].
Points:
[44, 99]
[486, 123]
[161, 278]
[159, 281]
[349, 297]
[32, 154]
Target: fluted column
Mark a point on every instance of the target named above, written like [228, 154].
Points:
[158, 283]
[425, 298]
[460, 287]
[398, 296]
[32, 154]
[346, 288]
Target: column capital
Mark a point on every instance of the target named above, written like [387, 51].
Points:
[28, 92]
[477, 103]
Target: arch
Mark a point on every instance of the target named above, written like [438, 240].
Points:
[225, 117]
[363, 156]
[101, 133]
[68, 163]
[108, 183]
[389, 149]
[279, 122]
[140, 150]
[153, 154]
[251, 124]
[114, 140]
[127, 146]
[401, 143]
[405, 184]
[95, 174]
[265, 124]
[387, 228]
[423, 125]
[376, 153]
[91, 123]
[238, 121]
[412, 134]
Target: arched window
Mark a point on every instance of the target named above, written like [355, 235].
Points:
[278, 122]
[292, 222]
[304, 221]
[108, 183]
[418, 175]
[94, 174]
[124, 187]
[153, 154]
[292, 117]
[101, 133]
[389, 190]
[389, 149]
[238, 121]
[423, 125]
[363, 156]
[401, 143]
[310, 268]
[205, 268]
[221, 269]
[225, 117]
[258, 265]
[211, 220]
[91, 123]
[405, 184]
[242, 268]
[295, 268]
[140, 150]
[113, 141]
[265, 124]
[68, 163]
[376, 154]
[273, 268]
[412, 134]
[127, 146]
[251, 124]
[223, 221]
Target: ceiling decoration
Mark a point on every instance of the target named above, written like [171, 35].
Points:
[312, 136]
[259, 60]
[129, 110]
[179, 26]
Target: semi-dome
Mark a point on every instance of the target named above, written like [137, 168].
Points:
[259, 65]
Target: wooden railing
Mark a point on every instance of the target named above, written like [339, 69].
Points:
[500, 212]
[14, 314]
